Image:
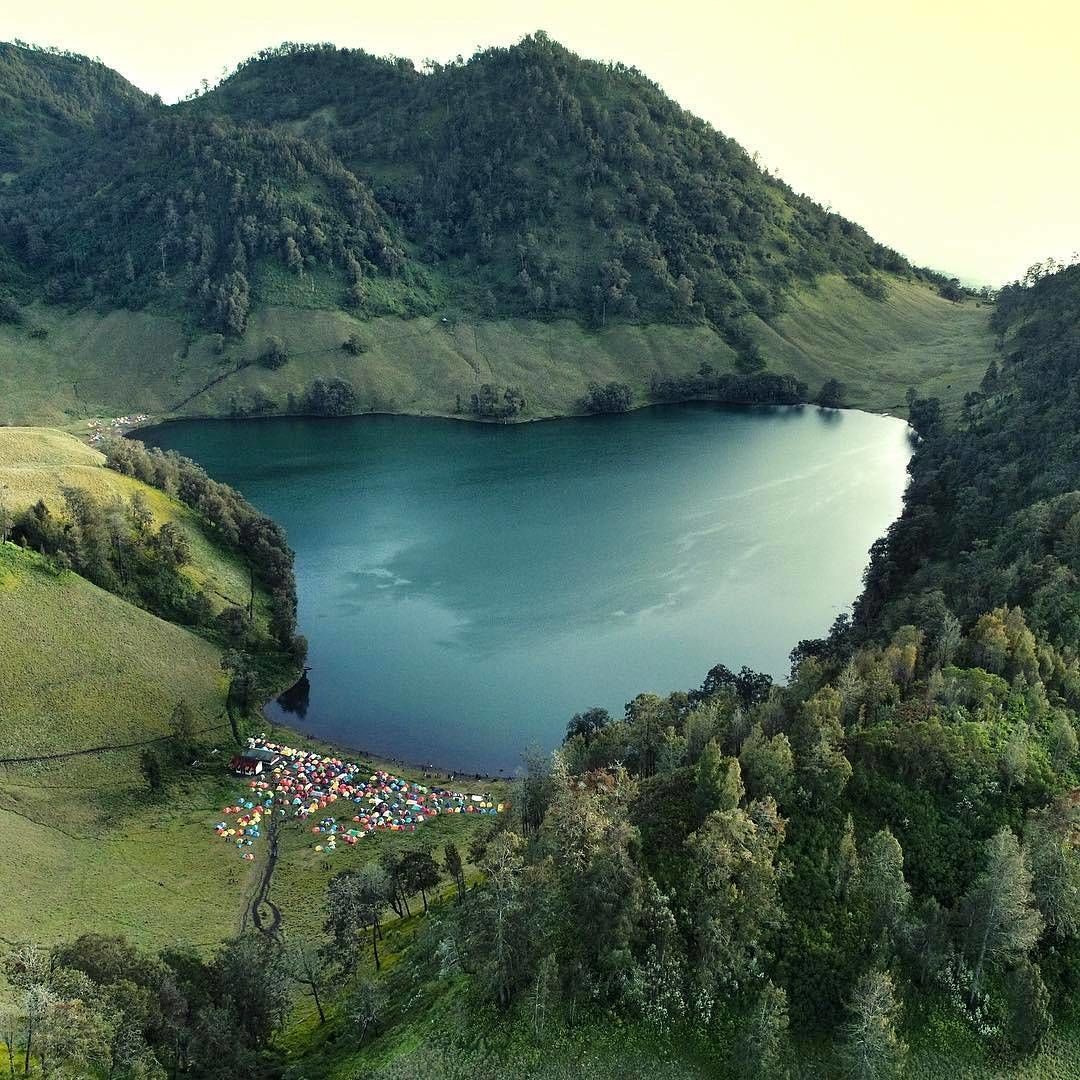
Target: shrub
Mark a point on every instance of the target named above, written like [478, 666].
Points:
[354, 344]
[10, 312]
[274, 354]
[615, 397]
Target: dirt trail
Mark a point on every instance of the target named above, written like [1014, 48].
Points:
[106, 748]
[262, 893]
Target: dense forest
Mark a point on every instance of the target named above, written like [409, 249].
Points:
[50, 99]
[524, 181]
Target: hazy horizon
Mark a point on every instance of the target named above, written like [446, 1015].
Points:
[946, 134]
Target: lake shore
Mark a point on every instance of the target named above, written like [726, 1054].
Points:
[401, 524]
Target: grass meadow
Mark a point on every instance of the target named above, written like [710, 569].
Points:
[92, 365]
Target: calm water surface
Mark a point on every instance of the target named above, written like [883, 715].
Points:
[464, 588]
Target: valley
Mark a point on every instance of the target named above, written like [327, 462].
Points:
[733, 737]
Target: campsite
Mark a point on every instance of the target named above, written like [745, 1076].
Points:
[290, 783]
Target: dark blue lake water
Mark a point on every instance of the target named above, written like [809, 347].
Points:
[464, 588]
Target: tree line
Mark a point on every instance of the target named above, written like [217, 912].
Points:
[256, 540]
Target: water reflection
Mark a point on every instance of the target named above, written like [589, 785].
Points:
[465, 588]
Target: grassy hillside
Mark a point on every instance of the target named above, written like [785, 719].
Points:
[122, 362]
[91, 671]
[878, 349]
[38, 463]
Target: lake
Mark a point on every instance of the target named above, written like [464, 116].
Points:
[465, 588]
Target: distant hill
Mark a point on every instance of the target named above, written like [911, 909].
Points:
[525, 183]
[50, 99]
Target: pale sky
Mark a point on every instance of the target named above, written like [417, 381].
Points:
[948, 130]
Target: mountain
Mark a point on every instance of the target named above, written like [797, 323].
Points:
[525, 183]
[548, 184]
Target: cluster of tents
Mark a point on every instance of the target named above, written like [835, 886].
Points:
[246, 829]
[302, 784]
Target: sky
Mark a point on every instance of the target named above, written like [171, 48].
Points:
[947, 130]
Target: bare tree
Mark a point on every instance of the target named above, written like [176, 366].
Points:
[307, 966]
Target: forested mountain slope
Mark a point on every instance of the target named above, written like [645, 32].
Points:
[551, 184]
[526, 184]
[50, 99]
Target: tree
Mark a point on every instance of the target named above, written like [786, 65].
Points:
[1028, 1002]
[501, 930]
[534, 788]
[420, 872]
[274, 354]
[719, 782]
[831, 394]
[250, 972]
[763, 1045]
[327, 397]
[172, 545]
[1063, 741]
[925, 414]
[871, 1048]
[150, 767]
[307, 967]
[1051, 851]
[768, 765]
[734, 885]
[10, 312]
[453, 866]
[544, 989]
[749, 686]
[294, 259]
[27, 970]
[242, 679]
[354, 344]
[364, 1008]
[356, 900]
[1002, 922]
[587, 724]
[182, 726]
[847, 866]
[1013, 763]
[822, 767]
[881, 885]
[615, 397]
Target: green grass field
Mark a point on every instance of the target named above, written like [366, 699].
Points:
[86, 669]
[880, 348]
[89, 849]
[94, 365]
